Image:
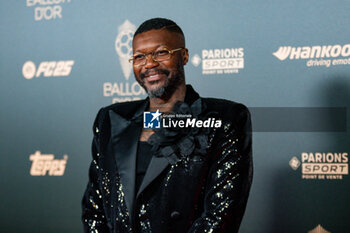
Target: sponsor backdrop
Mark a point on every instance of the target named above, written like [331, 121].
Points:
[288, 61]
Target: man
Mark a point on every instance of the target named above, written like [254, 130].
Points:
[175, 179]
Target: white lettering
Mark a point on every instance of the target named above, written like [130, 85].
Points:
[190, 122]
[122, 89]
[48, 12]
[336, 50]
[45, 163]
[199, 124]
[30, 3]
[329, 157]
[325, 168]
[315, 51]
[304, 157]
[295, 53]
[53, 68]
[222, 53]
[305, 52]
[325, 51]
[345, 52]
[345, 157]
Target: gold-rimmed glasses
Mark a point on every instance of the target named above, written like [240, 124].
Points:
[140, 59]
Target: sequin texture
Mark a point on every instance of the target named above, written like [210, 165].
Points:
[204, 191]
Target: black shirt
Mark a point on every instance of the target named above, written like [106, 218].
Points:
[143, 159]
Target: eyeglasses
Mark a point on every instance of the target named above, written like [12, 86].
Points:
[159, 55]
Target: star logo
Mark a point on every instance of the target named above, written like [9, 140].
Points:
[151, 120]
[156, 115]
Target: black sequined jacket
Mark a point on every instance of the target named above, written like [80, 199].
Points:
[197, 180]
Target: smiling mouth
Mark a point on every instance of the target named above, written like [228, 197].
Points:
[154, 75]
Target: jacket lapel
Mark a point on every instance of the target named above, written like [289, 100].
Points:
[125, 133]
[155, 167]
[124, 139]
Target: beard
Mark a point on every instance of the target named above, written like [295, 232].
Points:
[172, 82]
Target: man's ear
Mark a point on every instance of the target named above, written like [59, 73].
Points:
[185, 56]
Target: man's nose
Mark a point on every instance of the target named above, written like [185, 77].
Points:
[150, 62]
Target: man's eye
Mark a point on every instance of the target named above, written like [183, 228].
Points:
[162, 53]
[139, 57]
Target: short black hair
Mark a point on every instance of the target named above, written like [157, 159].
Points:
[159, 23]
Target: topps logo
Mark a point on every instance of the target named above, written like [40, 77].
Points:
[45, 163]
[322, 165]
[308, 52]
[47, 69]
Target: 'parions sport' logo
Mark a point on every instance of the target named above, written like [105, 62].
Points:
[331, 166]
[43, 164]
[220, 61]
[325, 55]
[47, 69]
[157, 120]
[128, 90]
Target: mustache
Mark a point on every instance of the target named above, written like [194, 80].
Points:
[154, 71]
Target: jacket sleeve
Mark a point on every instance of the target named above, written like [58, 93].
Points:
[93, 216]
[229, 179]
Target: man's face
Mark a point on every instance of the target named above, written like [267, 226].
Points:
[160, 79]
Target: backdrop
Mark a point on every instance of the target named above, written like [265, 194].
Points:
[288, 61]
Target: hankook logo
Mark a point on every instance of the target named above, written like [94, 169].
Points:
[318, 55]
